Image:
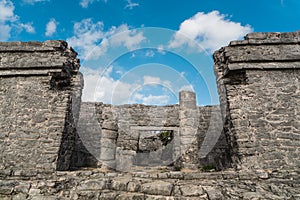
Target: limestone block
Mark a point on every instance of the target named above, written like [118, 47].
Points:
[107, 153]
[120, 184]
[92, 185]
[133, 186]
[157, 188]
[192, 190]
[124, 159]
[110, 125]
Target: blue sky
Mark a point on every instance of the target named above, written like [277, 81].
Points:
[145, 51]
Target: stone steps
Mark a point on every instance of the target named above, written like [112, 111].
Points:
[153, 184]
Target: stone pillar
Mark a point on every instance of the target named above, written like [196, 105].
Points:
[109, 135]
[36, 121]
[189, 120]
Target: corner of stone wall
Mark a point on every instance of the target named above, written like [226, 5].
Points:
[258, 84]
[36, 82]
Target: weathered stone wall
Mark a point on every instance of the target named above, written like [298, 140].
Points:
[36, 81]
[259, 89]
[214, 149]
[119, 137]
[131, 123]
[114, 135]
[258, 80]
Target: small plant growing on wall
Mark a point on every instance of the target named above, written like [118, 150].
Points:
[166, 137]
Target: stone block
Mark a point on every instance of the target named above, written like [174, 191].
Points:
[124, 159]
[133, 186]
[108, 143]
[22, 188]
[110, 125]
[120, 184]
[192, 190]
[128, 196]
[92, 185]
[157, 188]
[19, 196]
[107, 153]
[213, 193]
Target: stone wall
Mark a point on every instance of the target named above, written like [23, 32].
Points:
[36, 81]
[259, 88]
[119, 137]
[258, 82]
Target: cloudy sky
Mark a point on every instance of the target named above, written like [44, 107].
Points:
[145, 51]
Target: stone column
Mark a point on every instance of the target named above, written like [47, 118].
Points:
[189, 120]
[109, 136]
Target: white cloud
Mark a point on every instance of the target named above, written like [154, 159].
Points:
[5, 32]
[101, 87]
[10, 21]
[130, 5]
[187, 88]
[87, 37]
[208, 32]
[51, 27]
[27, 27]
[151, 99]
[150, 80]
[160, 49]
[122, 36]
[150, 53]
[7, 17]
[31, 2]
[7, 11]
[91, 41]
[86, 3]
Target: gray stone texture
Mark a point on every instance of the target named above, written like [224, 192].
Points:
[254, 140]
[104, 128]
[36, 122]
[189, 122]
[152, 185]
[259, 88]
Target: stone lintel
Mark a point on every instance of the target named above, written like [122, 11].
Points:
[265, 66]
[259, 38]
[268, 51]
[37, 59]
[49, 45]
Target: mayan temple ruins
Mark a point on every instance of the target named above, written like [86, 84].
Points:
[55, 147]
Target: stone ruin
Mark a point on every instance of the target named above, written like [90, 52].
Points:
[53, 146]
[121, 137]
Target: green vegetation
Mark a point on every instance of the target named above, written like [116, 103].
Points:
[166, 137]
